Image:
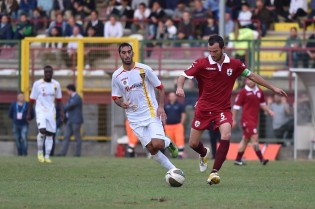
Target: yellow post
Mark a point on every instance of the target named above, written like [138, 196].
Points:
[25, 75]
[80, 63]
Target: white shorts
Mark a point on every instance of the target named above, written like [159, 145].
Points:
[46, 121]
[148, 130]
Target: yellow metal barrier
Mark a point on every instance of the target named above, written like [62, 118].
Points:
[25, 84]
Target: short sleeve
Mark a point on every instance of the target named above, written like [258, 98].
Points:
[116, 91]
[193, 70]
[239, 100]
[58, 92]
[153, 79]
[34, 92]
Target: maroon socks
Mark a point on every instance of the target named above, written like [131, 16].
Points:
[221, 154]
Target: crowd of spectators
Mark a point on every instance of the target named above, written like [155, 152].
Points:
[192, 19]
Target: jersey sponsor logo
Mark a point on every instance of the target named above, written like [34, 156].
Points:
[133, 86]
[210, 68]
[229, 72]
[197, 123]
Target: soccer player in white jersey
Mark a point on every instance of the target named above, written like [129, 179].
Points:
[133, 89]
[44, 92]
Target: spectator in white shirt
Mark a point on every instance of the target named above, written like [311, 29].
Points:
[113, 28]
[135, 3]
[245, 16]
[141, 14]
[72, 47]
[298, 8]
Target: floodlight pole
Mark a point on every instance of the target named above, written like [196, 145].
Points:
[222, 18]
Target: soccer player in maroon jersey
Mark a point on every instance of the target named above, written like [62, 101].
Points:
[216, 75]
[251, 98]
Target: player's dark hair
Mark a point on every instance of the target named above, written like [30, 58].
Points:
[123, 45]
[216, 39]
[71, 87]
[48, 67]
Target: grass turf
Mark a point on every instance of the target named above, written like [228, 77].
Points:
[139, 183]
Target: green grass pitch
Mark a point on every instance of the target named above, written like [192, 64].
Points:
[139, 183]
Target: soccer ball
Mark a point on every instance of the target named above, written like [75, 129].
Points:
[175, 177]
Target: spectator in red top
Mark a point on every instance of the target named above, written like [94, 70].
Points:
[251, 98]
[216, 75]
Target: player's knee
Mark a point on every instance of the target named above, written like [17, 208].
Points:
[151, 148]
[226, 136]
[193, 144]
[158, 144]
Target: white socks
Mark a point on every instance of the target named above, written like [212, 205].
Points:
[40, 142]
[48, 145]
[163, 160]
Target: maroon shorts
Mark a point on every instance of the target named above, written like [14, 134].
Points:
[249, 129]
[202, 119]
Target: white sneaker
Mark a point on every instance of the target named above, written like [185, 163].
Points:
[203, 163]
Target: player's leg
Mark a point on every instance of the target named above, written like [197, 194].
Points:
[50, 131]
[41, 125]
[224, 121]
[241, 151]
[256, 147]
[48, 146]
[197, 146]
[158, 142]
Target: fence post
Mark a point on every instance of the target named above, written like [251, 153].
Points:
[80, 63]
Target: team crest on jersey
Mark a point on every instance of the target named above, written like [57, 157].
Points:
[258, 95]
[197, 123]
[229, 72]
[124, 81]
[142, 75]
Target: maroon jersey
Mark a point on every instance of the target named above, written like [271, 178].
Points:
[250, 100]
[215, 82]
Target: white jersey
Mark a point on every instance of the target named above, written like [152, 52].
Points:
[137, 86]
[45, 93]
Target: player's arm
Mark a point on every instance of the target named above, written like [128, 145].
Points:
[33, 97]
[259, 80]
[234, 116]
[61, 112]
[189, 73]
[59, 102]
[121, 103]
[161, 98]
[180, 86]
[30, 110]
